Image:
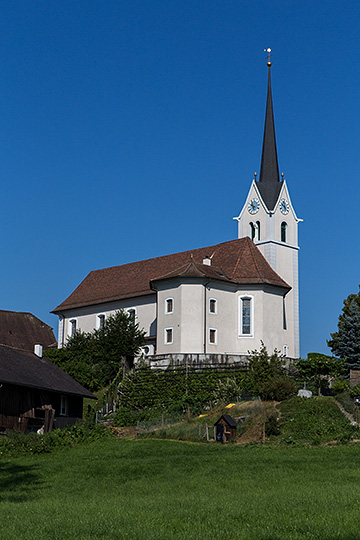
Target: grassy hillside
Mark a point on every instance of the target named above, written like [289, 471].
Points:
[296, 421]
[157, 490]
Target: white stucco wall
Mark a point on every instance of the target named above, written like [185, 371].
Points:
[87, 317]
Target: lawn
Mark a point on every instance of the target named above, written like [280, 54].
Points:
[159, 489]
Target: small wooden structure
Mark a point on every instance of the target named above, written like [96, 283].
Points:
[354, 377]
[225, 428]
[35, 394]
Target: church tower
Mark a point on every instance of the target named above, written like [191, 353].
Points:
[269, 219]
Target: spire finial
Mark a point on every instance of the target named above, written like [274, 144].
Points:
[269, 55]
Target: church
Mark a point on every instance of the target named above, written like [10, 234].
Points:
[212, 304]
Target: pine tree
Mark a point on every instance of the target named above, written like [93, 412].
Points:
[345, 343]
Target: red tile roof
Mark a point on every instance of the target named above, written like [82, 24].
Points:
[24, 330]
[239, 260]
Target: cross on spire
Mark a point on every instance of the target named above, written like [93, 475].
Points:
[269, 55]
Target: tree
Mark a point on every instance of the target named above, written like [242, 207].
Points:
[345, 343]
[267, 376]
[94, 359]
[317, 366]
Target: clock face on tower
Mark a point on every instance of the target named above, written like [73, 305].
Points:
[284, 206]
[254, 206]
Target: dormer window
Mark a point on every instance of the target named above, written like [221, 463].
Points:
[169, 305]
[283, 231]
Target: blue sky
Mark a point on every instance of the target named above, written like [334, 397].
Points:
[130, 130]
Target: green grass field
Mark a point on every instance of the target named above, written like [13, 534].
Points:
[155, 489]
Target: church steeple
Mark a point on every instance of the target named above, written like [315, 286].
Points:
[269, 183]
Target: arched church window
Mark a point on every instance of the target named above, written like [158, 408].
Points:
[73, 327]
[246, 316]
[283, 231]
[252, 231]
[258, 229]
[101, 320]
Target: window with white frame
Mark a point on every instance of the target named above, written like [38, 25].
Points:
[258, 230]
[168, 336]
[252, 230]
[63, 406]
[169, 305]
[132, 313]
[100, 320]
[213, 336]
[246, 315]
[213, 306]
[73, 327]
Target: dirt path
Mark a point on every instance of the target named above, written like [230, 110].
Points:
[348, 415]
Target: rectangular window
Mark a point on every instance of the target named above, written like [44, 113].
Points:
[63, 406]
[168, 335]
[212, 306]
[246, 316]
[169, 305]
[101, 321]
[212, 336]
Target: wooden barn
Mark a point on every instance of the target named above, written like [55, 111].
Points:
[35, 393]
[22, 330]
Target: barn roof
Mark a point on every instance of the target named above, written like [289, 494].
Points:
[23, 368]
[240, 261]
[24, 330]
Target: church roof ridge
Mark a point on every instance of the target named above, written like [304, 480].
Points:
[133, 279]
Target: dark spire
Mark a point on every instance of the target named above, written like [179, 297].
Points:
[269, 181]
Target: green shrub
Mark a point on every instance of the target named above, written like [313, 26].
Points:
[16, 443]
[227, 390]
[278, 388]
[272, 426]
[346, 401]
[340, 385]
[355, 390]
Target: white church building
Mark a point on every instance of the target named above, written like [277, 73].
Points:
[214, 303]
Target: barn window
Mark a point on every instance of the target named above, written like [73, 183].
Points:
[63, 406]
